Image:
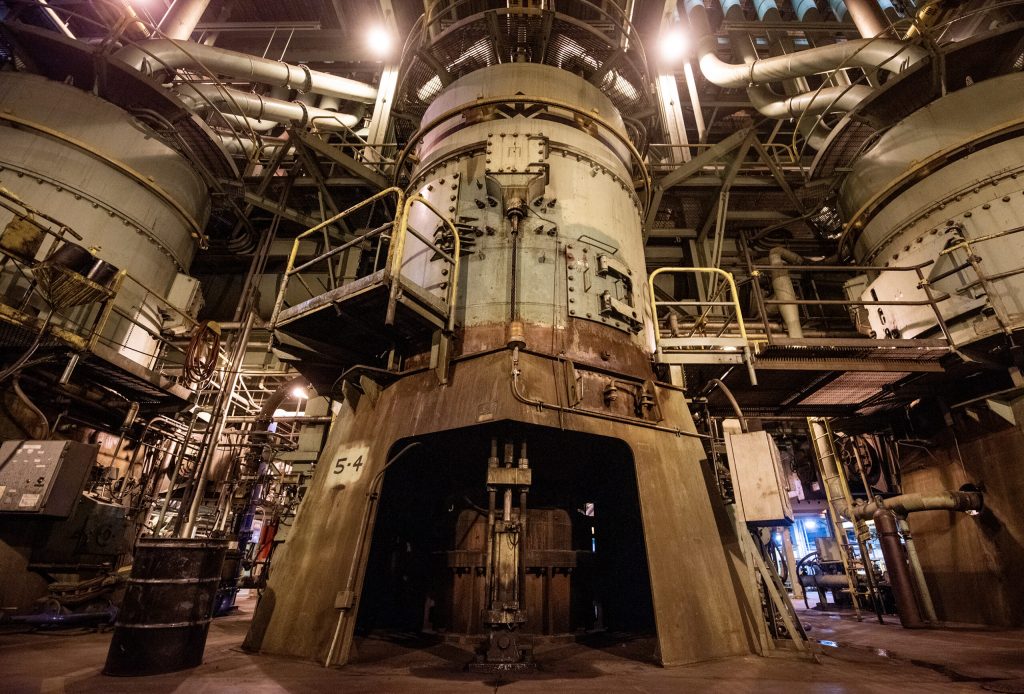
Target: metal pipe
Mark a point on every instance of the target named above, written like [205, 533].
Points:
[905, 504]
[217, 428]
[720, 384]
[806, 10]
[163, 55]
[831, 99]
[924, 595]
[868, 17]
[261, 108]
[839, 10]
[782, 285]
[181, 18]
[182, 452]
[896, 565]
[871, 54]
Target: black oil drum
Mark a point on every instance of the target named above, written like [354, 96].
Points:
[167, 607]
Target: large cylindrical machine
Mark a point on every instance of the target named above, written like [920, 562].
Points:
[542, 190]
[943, 187]
[536, 392]
[136, 202]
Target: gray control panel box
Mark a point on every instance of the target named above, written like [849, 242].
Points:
[43, 478]
[757, 479]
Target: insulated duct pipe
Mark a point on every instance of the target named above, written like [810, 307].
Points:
[910, 503]
[782, 286]
[806, 10]
[181, 18]
[810, 103]
[868, 17]
[163, 55]
[839, 11]
[871, 54]
[262, 108]
[899, 573]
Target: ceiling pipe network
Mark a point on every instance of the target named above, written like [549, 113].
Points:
[262, 108]
[167, 55]
[754, 73]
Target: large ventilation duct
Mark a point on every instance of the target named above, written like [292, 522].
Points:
[163, 55]
[182, 17]
[806, 10]
[262, 108]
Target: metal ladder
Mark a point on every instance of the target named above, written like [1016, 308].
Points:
[824, 445]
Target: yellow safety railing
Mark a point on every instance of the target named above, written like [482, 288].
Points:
[734, 303]
[290, 268]
[400, 229]
[398, 251]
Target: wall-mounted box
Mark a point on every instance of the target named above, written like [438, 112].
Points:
[757, 479]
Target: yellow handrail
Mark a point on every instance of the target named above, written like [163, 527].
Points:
[399, 250]
[290, 266]
[747, 355]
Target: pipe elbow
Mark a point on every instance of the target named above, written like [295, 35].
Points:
[780, 255]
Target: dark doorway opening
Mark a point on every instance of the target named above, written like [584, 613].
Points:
[590, 480]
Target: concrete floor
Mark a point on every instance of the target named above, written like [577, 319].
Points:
[866, 657]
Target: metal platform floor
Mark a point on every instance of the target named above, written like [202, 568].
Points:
[867, 657]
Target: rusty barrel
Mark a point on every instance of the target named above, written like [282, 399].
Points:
[167, 606]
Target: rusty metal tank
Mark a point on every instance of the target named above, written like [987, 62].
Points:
[529, 156]
[167, 607]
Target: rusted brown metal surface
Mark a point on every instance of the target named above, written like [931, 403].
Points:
[694, 561]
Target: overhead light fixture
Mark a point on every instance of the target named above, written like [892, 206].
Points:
[379, 41]
[299, 393]
[673, 45]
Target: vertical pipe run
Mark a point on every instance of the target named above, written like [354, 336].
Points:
[923, 594]
[524, 463]
[782, 284]
[492, 462]
[896, 565]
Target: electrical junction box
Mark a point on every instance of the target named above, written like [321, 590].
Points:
[758, 484]
[43, 478]
[184, 295]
